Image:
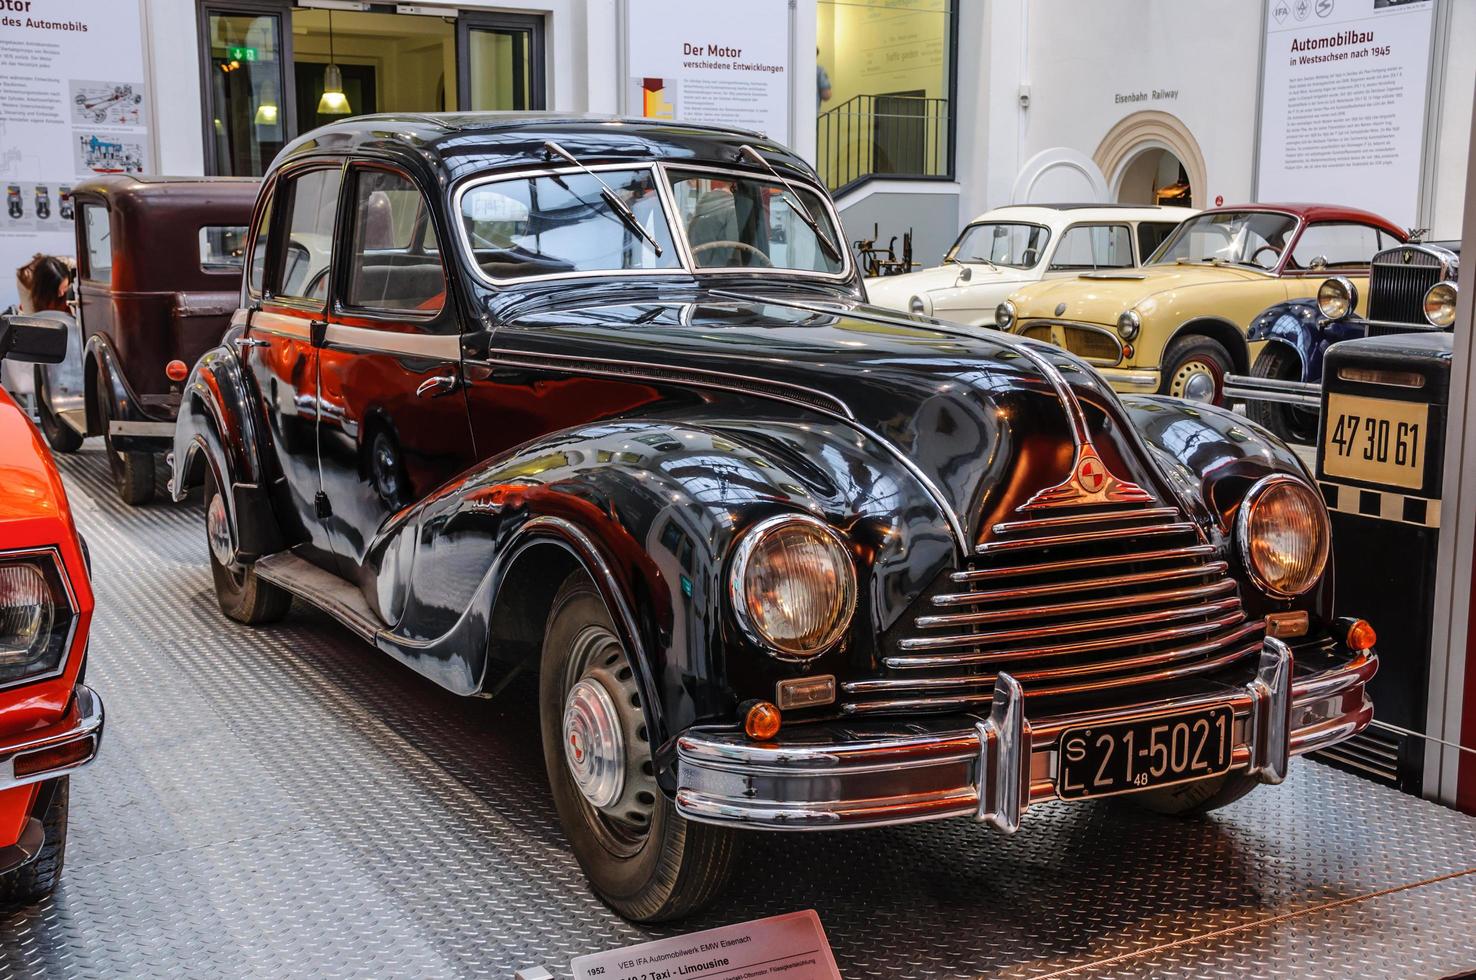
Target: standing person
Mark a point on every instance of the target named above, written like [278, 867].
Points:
[822, 83]
[45, 285]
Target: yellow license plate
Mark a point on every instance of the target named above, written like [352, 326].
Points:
[1376, 440]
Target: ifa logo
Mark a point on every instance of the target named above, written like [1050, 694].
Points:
[1091, 474]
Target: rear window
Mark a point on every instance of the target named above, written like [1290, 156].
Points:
[223, 248]
[99, 243]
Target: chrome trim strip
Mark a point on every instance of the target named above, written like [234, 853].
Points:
[977, 574]
[1058, 588]
[1136, 379]
[1304, 393]
[1068, 629]
[1225, 584]
[282, 324]
[1085, 537]
[1097, 517]
[117, 427]
[923, 661]
[441, 347]
[88, 725]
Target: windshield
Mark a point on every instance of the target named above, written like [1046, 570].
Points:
[1018, 246]
[1250, 238]
[537, 226]
[747, 223]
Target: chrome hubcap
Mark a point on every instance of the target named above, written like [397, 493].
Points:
[593, 746]
[1194, 382]
[218, 532]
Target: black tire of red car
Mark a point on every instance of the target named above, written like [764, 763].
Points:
[34, 881]
[648, 865]
[1196, 798]
[133, 471]
[62, 438]
[1190, 358]
[242, 594]
[1291, 423]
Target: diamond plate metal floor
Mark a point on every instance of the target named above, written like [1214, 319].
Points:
[287, 801]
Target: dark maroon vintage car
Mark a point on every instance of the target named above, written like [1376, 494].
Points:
[158, 271]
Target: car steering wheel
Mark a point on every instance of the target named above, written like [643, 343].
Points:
[1275, 255]
[763, 258]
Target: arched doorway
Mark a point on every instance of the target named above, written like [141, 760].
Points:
[1151, 158]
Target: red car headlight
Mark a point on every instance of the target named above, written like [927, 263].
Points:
[36, 616]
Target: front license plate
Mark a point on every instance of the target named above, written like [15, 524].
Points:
[1376, 440]
[1099, 760]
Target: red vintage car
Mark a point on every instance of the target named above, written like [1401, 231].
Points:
[50, 722]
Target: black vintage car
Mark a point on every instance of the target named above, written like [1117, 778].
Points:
[547, 393]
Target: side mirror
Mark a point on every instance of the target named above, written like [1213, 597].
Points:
[965, 274]
[33, 338]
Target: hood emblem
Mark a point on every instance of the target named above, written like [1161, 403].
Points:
[1060, 308]
[1090, 482]
[1406, 256]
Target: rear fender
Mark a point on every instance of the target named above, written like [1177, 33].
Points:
[215, 433]
[110, 398]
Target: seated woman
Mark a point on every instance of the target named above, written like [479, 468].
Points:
[45, 287]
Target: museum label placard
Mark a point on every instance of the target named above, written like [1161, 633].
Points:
[790, 946]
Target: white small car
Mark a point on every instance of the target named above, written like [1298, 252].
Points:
[1003, 249]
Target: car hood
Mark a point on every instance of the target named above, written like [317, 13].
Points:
[895, 291]
[976, 415]
[1102, 297]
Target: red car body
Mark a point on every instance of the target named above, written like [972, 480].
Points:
[52, 724]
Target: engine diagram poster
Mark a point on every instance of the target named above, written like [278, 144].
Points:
[709, 61]
[791, 947]
[1343, 103]
[59, 121]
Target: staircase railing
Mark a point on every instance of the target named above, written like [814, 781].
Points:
[882, 135]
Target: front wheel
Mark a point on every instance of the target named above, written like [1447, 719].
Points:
[62, 438]
[1291, 423]
[1194, 369]
[642, 858]
[242, 594]
[34, 881]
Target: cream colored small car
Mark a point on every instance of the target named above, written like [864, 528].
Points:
[1009, 247]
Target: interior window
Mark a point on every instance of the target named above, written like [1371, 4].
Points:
[312, 203]
[222, 248]
[99, 243]
[536, 226]
[1151, 234]
[735, 222]
[1094, 247]
[396, 258]
[1335, 245]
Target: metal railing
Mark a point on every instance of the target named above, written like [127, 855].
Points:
[882, 135]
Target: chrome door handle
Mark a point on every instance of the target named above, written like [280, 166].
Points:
[441, 385]
[245, 343]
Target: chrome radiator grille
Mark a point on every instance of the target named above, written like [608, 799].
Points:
[1396, 289]
[1067, 604]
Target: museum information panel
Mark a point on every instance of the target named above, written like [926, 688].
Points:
[1343, 103]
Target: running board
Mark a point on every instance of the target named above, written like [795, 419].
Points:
[321, 588]
[75, 419]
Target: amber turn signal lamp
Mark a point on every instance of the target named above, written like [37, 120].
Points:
[1357, 633]
[761, 721]
[45, 760]
[176, 370]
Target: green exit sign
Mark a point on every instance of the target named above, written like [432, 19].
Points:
[243, 54]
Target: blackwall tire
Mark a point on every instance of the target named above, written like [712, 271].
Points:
[1290, 423]
[242, 594]
[1192, 363]
[62, 438]
[133, 472]
[665, 869]
[34, 881]
[1197, 798]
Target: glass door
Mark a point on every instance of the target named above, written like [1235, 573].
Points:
[499, 59]
[249, 111]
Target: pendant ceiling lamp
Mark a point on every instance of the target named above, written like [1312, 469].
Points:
[333, 102]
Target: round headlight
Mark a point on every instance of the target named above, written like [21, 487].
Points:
[1336, 297]
[1440, 304]
[917, 306]
[1004, 315]
[25, 614]
[793, 586]
[1283, 534]
[1129, 324]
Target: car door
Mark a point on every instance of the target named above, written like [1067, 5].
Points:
[292, 261]
[393, 424]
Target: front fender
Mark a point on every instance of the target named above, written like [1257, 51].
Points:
[215, 433]
[1214, 456]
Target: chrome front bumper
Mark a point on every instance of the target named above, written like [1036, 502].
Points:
[835, 776]
[80, 728]
[1240, 387]
[1131, 380]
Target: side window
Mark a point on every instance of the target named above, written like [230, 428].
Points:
[1151, 235]
[307, 252]
[99, 241]
[396, 263]
[222, 248]
[1094, 247]
[257, 283]
[1339, 245]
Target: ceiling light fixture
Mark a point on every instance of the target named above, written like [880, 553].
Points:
[333, 102]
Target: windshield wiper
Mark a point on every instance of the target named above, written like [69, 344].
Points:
[611, 198]
[798, 204]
